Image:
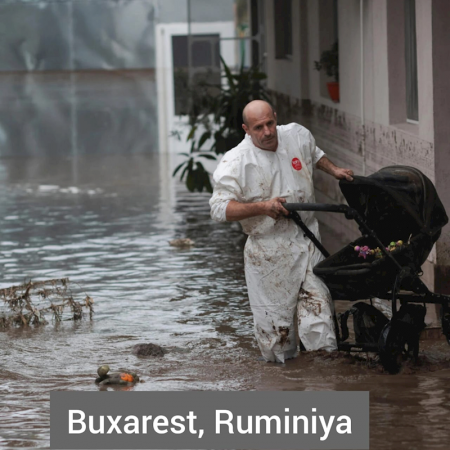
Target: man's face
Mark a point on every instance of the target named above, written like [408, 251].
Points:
[262, 127]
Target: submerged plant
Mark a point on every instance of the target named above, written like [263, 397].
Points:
[30, 303]
[220, 118]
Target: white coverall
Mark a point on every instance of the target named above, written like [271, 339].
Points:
[278, 258]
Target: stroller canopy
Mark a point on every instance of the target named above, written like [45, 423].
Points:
[396, 202]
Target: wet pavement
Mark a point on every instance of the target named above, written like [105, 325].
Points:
[105, 223]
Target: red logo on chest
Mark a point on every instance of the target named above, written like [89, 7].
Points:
[296, 164]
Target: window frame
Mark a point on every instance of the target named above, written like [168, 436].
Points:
[283, 31]
[411, 72]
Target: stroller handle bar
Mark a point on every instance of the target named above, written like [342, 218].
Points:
[317, 207]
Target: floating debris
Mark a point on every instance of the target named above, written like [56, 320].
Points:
[182, 243]
[144, 350]
[30, 303]
[117, 378]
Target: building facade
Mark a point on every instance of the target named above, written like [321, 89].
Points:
[393, 104]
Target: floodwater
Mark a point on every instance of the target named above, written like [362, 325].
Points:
[105, 223]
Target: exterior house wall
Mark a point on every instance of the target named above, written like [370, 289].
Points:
[441, 113]
[278, 68]
[376, 135]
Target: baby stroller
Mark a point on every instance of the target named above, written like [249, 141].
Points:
[400, 203]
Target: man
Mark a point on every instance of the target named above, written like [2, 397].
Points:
[271, 166]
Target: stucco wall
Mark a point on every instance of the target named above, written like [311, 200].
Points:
[284, 75]
[381, 78]
[387, 138]
[441, 113]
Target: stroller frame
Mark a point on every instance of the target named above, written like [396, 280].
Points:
[407, 288]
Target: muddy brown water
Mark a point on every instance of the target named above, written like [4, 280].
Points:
[105, 223]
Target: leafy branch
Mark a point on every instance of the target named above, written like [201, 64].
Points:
[220, 117]
[28, 304]
[329, 61]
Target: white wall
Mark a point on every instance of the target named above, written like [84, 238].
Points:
[389, 139]
[378, 107]
[425, 69]
[284, 75]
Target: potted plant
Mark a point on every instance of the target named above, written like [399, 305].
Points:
[329, 61]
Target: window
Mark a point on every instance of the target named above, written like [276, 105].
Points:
[204, 67]
[402, 62]
[328, 36]
[283, 28]
[412, 100]
[254, 25]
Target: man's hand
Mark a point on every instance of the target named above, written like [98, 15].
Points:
[274, 208]
[338, 172]
[343, 174]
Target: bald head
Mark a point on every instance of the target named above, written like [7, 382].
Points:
[256, 108]
[260, 122]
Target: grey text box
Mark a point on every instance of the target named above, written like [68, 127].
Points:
[202, 420]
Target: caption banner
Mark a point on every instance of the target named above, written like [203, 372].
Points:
[211, 419]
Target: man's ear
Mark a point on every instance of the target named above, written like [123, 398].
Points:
[275, 115]
[245, 127]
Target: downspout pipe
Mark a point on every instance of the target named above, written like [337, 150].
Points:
[363, 118]
[189, 51]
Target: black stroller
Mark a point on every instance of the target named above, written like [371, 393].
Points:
[400, 203]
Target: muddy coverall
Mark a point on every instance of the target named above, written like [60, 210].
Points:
[284, 293]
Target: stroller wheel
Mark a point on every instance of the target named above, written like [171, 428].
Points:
[446, 324]
[447, 328]
[395, 347]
